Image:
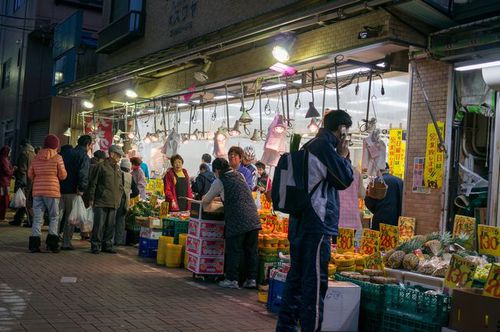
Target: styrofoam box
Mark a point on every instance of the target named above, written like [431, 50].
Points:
[205, 265]
[204, 247]
[206, 229]
[341, 311]
[150, 233]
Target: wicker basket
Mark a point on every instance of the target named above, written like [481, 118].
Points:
[377, 188]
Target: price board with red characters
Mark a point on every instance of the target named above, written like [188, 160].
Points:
[406, 228]
[370, 241]
[464, 225]
[460, 273]
[492, 286]
[488, 238]
[345, 240]
[164, 210]
[388, 237]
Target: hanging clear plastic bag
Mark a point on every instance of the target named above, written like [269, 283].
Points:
[88, 224]
[19, 199]
[78, 213]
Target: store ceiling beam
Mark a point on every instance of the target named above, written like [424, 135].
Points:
[311, 17]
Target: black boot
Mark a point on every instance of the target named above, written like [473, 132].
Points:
[53, 243]
[34, 244]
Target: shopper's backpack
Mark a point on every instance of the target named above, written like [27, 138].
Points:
[289, 193]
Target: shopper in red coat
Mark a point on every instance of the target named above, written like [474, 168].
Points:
[6, 172]
[176, 183]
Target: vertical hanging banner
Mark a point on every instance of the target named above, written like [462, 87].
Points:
[434, 158]
[103, 131]
[397, 153]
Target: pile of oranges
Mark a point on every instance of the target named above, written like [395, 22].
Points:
[273, 243]
[349, 261]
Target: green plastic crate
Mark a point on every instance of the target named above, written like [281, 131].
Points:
[370, 320]
[180, 227]
[372, 295]
[414, 304]
[399, 322]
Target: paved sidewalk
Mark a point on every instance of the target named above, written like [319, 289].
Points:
[113, 293]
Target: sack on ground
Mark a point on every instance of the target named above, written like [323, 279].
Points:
[19, 199]
[88, 223]
[78, 213]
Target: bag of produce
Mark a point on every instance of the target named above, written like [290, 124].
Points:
[78, 213]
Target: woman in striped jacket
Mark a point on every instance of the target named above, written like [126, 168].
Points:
[45, 172]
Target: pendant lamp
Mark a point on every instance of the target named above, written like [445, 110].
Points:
[280, 126]
[67, 132]
[255, 137]
[312, 112]
[313, 126]
[245, 117]
[235, 131]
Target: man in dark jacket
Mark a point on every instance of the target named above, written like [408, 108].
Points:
[310, 232]
[388, 209]
[203, 181]
[22, 181]
[105, 192]
[77, 163]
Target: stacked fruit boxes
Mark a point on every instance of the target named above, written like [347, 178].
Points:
[205, 247]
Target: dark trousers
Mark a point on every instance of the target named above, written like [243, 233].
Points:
[306, 283]
[104, 228]
[237, 247]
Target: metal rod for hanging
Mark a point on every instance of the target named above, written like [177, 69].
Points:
[260, 113]
[227, 106]
[163, 114]
[369, 98]
[202, 116]
[190, 120]
[324, 97]
[287, 103]
[336, 83]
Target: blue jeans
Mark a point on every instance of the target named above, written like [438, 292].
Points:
[306, 283]
[40, 204]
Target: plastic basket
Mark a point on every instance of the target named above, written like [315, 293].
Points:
[180, 227]
[372, 295]
[416, 305]
[396, 322]
[370, 320]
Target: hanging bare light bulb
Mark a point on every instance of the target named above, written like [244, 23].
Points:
[313, 126]
[155, 137]
[147, 139]
[280, 126]
[235, 131]
[312, 112]
[221, 134]
[255, 137]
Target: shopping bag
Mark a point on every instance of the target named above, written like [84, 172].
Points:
[19, 199]
[78, 213]
[88, 223]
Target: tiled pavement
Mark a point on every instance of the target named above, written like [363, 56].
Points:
[113, 293]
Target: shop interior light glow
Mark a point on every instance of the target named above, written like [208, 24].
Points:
[131, 93]
[235, 131]
[283, 47]
[478, 66]
[273, 86]
[280, 53]
[283, 69]
[349, 72]
[87, 104]
[313, 126]
[221, 135]
[222, 97]
[280, 125]
[67, 132]
[147, 139]
[154, 137]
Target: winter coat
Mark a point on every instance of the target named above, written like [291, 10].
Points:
[6, 169]
[202, 183]
[247, 174]
[388, 209]
[240, 211]
[127, 188]
[46, 170]
[169, 187]
[23, 164]
[328, 172]
[77, 164]
[106, 185]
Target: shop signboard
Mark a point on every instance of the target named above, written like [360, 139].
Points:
[492, 286]
[488, 238]
[397, 151]
[345, 240]
[103, 131]
[464, 225]
[418, 176]
[370, 241]
[164, 210]
[389, 235]
[460, 273]
[434, 158]
[406, 228]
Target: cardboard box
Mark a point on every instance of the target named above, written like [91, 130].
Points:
[214, 211]
[150, 233]
[205, 265]
[341, 311]
[471, 311]
[206, 229]
[149, 222]
[205, 247]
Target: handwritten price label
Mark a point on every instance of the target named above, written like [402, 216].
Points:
[492, 287]
[464, 225]
[375, 261]
[345, 240]
[370, 241]
[388, 237]
[164, 210]
[406, 228]
[460, 273]
[153, 200]
[488, 240]
[134, 201]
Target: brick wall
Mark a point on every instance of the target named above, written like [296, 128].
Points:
[426, 208]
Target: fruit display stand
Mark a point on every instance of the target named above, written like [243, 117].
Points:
[272, 240]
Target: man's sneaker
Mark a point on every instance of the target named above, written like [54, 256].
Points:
[226, 283]
[250, 283]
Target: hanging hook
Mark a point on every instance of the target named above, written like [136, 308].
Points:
[214, 113]
[298, 103]
[267, 107]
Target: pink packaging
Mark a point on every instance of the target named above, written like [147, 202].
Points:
[206, 229]
[204, 247]
[205, 265]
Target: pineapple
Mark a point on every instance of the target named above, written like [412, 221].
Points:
[410, 262]
[396, 259]
[387, 255]
[446, 239]
[433, 247]
[420, 237]
[433, 236]
[411, 245]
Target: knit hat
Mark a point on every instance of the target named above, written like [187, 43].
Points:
[125, 163]
[51, 141]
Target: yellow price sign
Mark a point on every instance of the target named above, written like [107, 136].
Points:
[370, 241]
[464, 225]
[492, 286]
[488, 238]
[406, 228]
[345, 240]
[153, 199]
[164, 210]
[375, 261]
[134, 201]
[460, 273]
[388, 236]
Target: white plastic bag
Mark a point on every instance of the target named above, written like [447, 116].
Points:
[19, 199]
[88, 223]
[78, 213]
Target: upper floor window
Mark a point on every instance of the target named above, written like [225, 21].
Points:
[120, 8]
[6, 73]
[18, 4]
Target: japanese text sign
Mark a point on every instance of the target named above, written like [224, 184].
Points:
[460, 273]
[345, 240]
[370, 241]
[492, 286]
[406, 227]
[488, 238]
[434, 158]
[388, 236]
